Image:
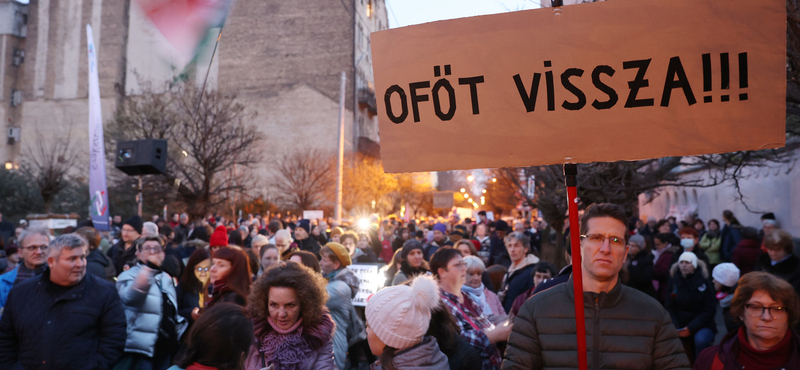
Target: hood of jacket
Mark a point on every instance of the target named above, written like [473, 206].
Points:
[423, 356]
[97, 257]
[701, 266]
[528, 260]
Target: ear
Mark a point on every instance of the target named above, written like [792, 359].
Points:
[51, 261]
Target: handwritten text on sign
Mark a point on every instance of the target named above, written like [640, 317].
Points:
[370, 280]
[624, 79]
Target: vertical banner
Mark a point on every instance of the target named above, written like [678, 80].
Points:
[98, 191]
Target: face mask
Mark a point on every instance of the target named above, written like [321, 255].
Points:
[687, 243]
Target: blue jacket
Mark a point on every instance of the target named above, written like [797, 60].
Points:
[82, 329]
[6, 283]
[731, 236]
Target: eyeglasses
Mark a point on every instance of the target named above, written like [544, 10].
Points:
[33, 248]
[202, 269]
[614, 241]
[461, 265]
[153, 250]
[758, 311]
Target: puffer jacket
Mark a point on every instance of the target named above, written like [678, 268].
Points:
[143, 309]
[692, 301]
[348, 325]
[625, 329]
[423, 356]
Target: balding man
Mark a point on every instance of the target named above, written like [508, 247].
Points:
[285, 244]
[33, 244]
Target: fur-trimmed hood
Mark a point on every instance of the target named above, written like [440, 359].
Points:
[701, 266]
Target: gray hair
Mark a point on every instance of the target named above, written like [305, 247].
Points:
[518, 237]
[69, 241]
[473, 262]
[283, 233]
[33, 231]
[149, 229]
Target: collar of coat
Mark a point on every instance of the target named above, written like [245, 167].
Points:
[606, 300]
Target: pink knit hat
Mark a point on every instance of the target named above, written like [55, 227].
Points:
[400, 315]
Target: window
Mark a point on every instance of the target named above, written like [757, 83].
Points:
[369, 8]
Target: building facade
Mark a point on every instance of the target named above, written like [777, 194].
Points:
[283, 59]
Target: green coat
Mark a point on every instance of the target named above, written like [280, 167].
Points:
[711, 247]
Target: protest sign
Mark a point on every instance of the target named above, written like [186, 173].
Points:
[313, 215]
[605, 81]
[370, 280]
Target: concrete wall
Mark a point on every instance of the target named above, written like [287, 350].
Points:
[775, 189]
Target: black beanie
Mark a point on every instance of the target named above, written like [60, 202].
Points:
[135, 222]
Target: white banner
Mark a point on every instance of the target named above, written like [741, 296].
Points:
[98, 191]
[370, 280]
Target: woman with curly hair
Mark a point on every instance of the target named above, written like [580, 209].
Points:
[293, 330]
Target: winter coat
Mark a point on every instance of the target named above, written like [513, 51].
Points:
[494, 303]
[498, 253]
[731, 235]
[366, 255]
[788, 269]
[640, 273]
[83, 329]
[728, 350]
[122, 257]
[517, 281]
[711, 247]
[6, 283]
[100, 265]
[625, 329]
[349, 326]
[745, 256]
[143, 309]
[309, 244]
[692, 301]
[423, 356]
[318, 359]
[187, 301]
[661, 270]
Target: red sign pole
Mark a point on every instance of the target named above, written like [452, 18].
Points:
[571, 175]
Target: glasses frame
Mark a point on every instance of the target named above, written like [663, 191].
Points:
[622, 242]
[33, 248]
[780, 309]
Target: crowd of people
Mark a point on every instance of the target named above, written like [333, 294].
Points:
[278, 293]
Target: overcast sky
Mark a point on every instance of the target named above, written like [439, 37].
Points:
[408, 12]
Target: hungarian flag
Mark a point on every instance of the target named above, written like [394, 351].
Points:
[185, 23]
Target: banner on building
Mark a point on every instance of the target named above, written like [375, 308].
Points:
[98, 191]
[604, 81]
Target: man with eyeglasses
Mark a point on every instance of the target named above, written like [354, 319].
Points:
[64, 319]
[151, 306]
[625, 328]
[33, 253]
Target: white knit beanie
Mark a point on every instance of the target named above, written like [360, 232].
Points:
[726, 274]
[688, 257]
[400, 315]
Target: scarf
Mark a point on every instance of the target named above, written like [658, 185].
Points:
[286, 349]
[775, 357]
[411, 271]
[479, 296]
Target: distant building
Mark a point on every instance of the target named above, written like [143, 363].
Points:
[283, 58]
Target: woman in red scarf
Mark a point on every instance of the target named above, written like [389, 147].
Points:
[768, 308]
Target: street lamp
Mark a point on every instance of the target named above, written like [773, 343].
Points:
[494, 179]
[470, 178]
[9, 165]
[463, 190]
[484, 191]
[466, 196]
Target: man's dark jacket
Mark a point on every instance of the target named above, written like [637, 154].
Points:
[788, 269]
[309, 245]
[625, 329]
[691, 300]
[84, 328]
